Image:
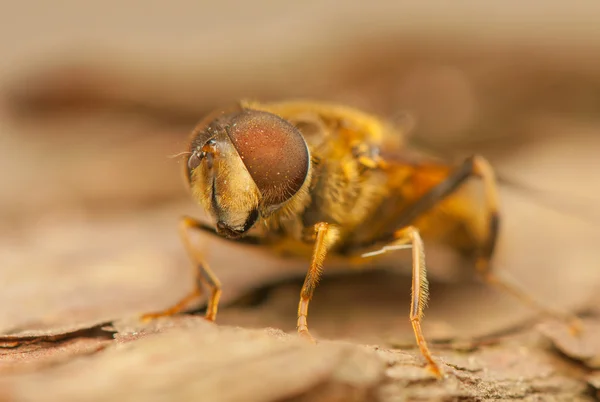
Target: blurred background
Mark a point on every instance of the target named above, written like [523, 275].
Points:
[97, 96]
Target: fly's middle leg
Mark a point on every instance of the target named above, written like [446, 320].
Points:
[478, 167]
[409, 237]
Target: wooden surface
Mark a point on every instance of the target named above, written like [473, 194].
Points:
[186, 357]
[91, 197]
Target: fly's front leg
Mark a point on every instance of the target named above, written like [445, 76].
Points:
[409, 237]
[204, 276]
[326, 236]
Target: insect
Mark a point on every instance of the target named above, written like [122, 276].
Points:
[313, 179]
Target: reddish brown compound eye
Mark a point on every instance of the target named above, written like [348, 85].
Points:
[273, 151]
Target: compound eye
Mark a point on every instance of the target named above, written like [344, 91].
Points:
[273, 151]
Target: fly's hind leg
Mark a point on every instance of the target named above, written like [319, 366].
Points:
[484, 266]
[409, 237]
[204, 276]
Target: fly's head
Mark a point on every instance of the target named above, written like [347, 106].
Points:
[243, 165]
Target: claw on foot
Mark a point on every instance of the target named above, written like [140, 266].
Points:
[151, 316]
[435, 370]
[303, 333]
[176, 309]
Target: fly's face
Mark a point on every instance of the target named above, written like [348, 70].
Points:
[243, 165]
